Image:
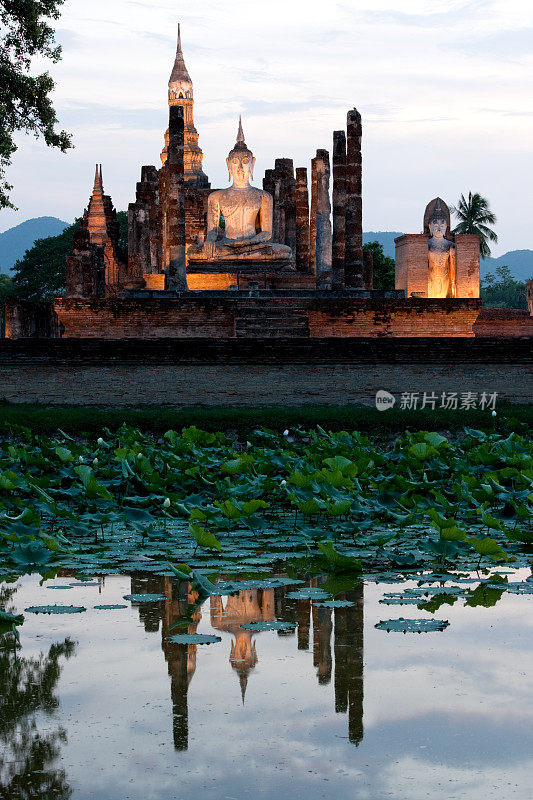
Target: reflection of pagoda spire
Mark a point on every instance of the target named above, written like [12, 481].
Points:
[349, 664]
[181, 659]
[243, 680]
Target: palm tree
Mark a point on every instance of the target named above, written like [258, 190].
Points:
[475, 216]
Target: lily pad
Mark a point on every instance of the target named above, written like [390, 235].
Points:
[273, 625]
[412, 625]
[307, 594]
[334, 603]
[194, 638]
[55, 609]
[145, 598]
[109, 607]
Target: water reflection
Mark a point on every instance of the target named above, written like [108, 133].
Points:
[27, 688]
[342, 658]
[250, 605]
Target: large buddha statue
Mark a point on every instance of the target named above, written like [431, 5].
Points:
[441, 250]
[247, 215]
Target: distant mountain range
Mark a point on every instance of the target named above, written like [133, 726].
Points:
[15, 241]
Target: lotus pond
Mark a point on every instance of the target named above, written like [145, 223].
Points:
[307, 615]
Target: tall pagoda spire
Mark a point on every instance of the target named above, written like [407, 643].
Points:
[180, 93]
[96, 217]
[180, 80]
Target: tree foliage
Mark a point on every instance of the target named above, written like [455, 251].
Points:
[502, 290]
[384, 275]
[475, 216]
[25, 103]
[40, 273]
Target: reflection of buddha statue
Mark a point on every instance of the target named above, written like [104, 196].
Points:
[441, 250]
[247, 214]
[250, 605]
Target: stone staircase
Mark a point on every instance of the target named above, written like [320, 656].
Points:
[265, 319]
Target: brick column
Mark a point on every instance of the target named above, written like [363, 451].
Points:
[354, 273]
[323, 220]
[302, 220]
[175, 268]
[284, 169]
[339, 209]
[312, 217]
[467, 264]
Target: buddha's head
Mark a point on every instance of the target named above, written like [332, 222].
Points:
[437, 219]
[240, 162]
[437, 226]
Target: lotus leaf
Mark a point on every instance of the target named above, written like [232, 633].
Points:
[55, 609]
[412, 625]
[193, 638]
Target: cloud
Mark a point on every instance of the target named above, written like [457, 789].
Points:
[506, 45]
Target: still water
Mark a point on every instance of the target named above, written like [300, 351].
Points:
[100, 704]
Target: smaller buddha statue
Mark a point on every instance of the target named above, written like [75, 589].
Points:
[247, 214]
[441, 250]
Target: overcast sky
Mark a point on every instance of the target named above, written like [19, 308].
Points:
[444, 88]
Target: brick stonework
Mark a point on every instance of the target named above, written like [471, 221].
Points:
[412, 263]
[259, 372]
[467, 264]
[504, 323]
[214, 314]
[529, 293]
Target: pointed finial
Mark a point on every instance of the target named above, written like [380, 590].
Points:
[179, 39]
[98, 188]
[243, 680]
[240, 133]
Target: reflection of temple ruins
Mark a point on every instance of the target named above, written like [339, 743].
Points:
[283, 260]
[341, 659]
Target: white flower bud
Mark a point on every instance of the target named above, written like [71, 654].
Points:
[493, 414]
[166, 502]
[283, 483]
[80, 459]
[139, 456]
[99, 441]
[95, 462]
[286, 433]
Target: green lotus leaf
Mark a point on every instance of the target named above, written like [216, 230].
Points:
[273, 625]
[193, 638]
[145, 598]
[402, 625]
[55, 609]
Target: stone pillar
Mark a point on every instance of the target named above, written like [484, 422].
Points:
[368, 269]
[467, 264]
[411, 264]
[175, 266]
[312, 217]
[85, 268]
[302, 220]
[323, 221]
[339, 209]
[529, 296]
[278, 212]
[284, 170]
[354, 276]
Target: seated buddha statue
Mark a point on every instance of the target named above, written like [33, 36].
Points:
[244, 209]
[441, 250]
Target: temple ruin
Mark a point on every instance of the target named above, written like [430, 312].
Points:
[283, 261]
